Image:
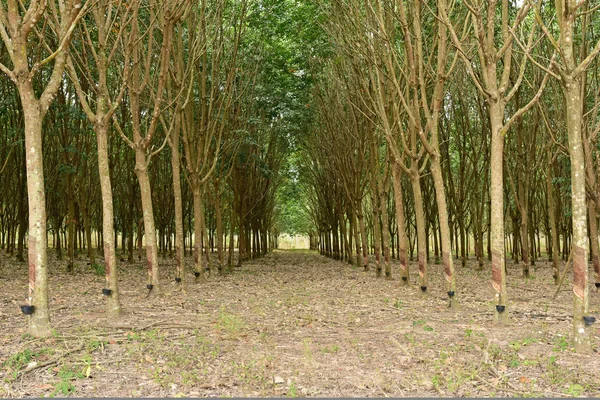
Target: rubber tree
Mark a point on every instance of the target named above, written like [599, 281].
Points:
[389, 88]
[344, 129]
[409, 54]
[171, 121]
[569, 68]
[215, 33]
[98, 52]
[146, 92]
[21, 27]
[495, 36]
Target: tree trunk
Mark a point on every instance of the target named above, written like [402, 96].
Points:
[581, 332]
[198, 234]
[141, 171]
[440, 194]
[130, 222]
[39, 321]
[345, 237]
[376, 233]
[363, 237]
[87, 224]
[593, 216]
[219, 221]
[496, 112]
[402, 239]
[70, 223]
[356, 237]
[231, 232]
[385, 235]
[420, 220]
[140, 235]
[22, 212]
[525, 240]
[463, 240]
[177, 197]
[108, 230]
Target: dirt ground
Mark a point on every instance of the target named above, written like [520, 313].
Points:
[293, 324]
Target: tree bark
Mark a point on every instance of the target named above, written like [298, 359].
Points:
[581, 332]
[198, 234]
[39, 321]
[70, 223]
[402, 239]
[141, 171]
[177, 197]
[420, 220]
[440, 194]
[108, 230]
[385, 235]
[363, 237]
[496, 112]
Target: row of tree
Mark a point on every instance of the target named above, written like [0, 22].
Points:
[405, 126]
[165, 119]
[445, 120]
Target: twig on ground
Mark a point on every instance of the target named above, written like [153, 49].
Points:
[340, 388]
[382, 391]
[398, 345]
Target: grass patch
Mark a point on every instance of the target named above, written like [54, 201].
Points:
[19, 361]
[228, 322]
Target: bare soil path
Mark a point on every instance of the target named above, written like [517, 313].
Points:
[293, 324]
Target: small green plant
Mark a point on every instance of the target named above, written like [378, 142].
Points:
[99, 269]
[307, 350]
[329, 350]
[494, 351]
[153, 334]
[561, 344]
[459, 378]
[516, 346]
[133, 336]
[398, 303]
[293, 391]
[64, 388]
[19, 359]
[427, 328]
[95, 345]
[575, 390]
[468, 333]
[514, 362]
[229, 322]
[65, 385]
[528, 341]
[15, 363]
[443, 356]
